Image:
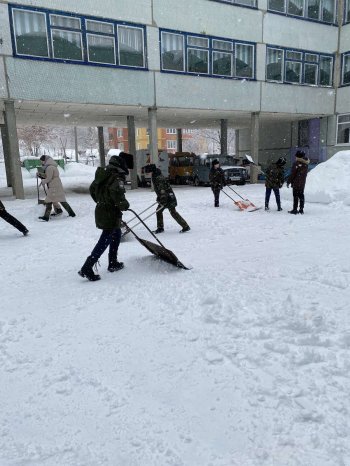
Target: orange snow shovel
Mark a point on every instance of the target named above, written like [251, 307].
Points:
[243, 204]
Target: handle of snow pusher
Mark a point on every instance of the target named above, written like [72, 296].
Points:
[141, 221]
[229, 197]
[138, 223]
[236, 193]
[143, 212]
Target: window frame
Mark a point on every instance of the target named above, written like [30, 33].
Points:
[13, 33]
[210, 49]
[171, 142]
[337, 131]
[303, 61]
[346, 12]
[305, 10]
[237, 3]
[83, 31]
[343, 56]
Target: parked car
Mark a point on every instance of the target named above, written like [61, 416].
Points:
[203, 164]
[235, 175]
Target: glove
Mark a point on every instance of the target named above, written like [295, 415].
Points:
[40, 175]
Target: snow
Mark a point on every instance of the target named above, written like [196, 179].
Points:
[243, 360]
[328, 182]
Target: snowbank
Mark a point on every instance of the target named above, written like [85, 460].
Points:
[328, 182]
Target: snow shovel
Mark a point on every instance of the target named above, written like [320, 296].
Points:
[40, 201]
[244, 204]
[126, 231]
[158, 250]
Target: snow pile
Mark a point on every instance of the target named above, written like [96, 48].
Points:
[328, 182]
[77, 169]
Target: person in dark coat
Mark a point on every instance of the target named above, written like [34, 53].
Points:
[297, 179]
[12, 220]
[274, 181]
[166, 199]
[217, 180]
[108, 191]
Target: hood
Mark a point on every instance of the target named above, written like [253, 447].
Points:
[50, 161]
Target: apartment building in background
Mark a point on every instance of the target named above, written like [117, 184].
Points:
[277, 71]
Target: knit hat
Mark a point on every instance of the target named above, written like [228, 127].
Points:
[281, 161]
[43, 158]
[215, 162]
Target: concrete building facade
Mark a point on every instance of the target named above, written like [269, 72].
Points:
[278, 71]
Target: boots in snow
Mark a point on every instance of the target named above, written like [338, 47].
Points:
[114, 265]
[158, 230]
[186, 228]
[87, 270]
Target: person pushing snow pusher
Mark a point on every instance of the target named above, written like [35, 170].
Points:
[166, 199]
[108, 191]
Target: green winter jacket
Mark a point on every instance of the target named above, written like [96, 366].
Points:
[274, 176]
[165, 194]
[108, 191]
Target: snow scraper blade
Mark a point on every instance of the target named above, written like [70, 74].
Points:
[243, 204]
[158, 250]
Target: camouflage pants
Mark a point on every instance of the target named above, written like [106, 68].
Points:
[176, 216]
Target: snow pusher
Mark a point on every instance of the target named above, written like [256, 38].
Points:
[243, 204]
[159, 249]
[126, 229]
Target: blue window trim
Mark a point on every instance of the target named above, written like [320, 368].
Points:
[210, 50]
[251, 7]
[343, 55]
[83, 33]
[303, 61]
[304, 18]
[345, 13]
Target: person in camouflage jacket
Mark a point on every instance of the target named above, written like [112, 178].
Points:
[12, 220]
[166, 199]
[274, 181]
[297, 179]
[108, 191]
[217, 180]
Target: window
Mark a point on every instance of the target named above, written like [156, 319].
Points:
[131, 48]
[347, 11]
[343, 129]
[100, 46]
[171, 145]
[119, 133]
[251, 3]
[274, 65]
[171, 131]
[172, 52]
[30, 33]
[72, 37]
[346, 69]
[318, 10]
[244, 60]
[205, 55]
[298, 67]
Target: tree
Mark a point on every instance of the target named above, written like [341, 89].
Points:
[209, 141]
[33, 138]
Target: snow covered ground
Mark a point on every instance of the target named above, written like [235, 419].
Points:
[243, 360]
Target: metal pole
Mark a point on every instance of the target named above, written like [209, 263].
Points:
[132, 149]
[179, 140]
[101, 146]
[76, 144]
[10, 122]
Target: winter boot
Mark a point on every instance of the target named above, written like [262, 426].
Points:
[301, 211]
[87, 270]
[158, 230]
[114, 265]
[279, 208]
[46, 216]
[184, 229]
[68, 208]
[57, 212]
[25, 232]
[267, 207]
[294, 211]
